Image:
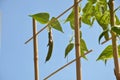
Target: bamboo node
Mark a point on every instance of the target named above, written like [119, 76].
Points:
[36, 58]
[77, 44]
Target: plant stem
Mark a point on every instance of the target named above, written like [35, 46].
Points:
[35, 44]
[114, 41]
[77, 41]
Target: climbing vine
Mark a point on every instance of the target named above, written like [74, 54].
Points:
[102, 12]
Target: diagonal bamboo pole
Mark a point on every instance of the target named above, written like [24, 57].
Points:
[65, 65]
[77, 41]
[114, 41]
[35, 44]
[106, 41]
[52, 21]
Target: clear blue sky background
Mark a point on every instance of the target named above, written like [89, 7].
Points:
[16, 58]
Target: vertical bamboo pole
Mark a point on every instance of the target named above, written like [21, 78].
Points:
[114, 41]
[77, 40]
[35, 44]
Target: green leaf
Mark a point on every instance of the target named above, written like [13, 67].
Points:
[104, 21]
[102, 34]
[72, 25]
[102, 14]
[69, 47]
[70, 17]
[116, 29]
[80, 34]
[88, 9]
[83, 45]
[42, 18]
[88, 19]
[105, 18]
[93, 1]
[56, 25]
[103, 3]
[101, 7]
[107, 53]
[88, 13]
[117, 21]
[83, 48]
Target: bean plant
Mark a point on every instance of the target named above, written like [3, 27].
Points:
[101, 11]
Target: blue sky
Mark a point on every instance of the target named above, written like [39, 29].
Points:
[16, 58]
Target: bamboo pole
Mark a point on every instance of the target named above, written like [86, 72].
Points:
[114, 41]
[65, 65]
[106, 41]
[77, 41]
[35, 44]
[52, 21]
